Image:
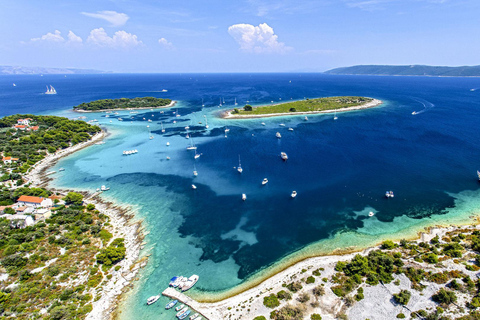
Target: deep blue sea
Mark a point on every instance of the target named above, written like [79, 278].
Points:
[340, 168]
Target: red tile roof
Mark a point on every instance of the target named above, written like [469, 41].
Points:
[20, 126]
[30, 199]
[9, 158]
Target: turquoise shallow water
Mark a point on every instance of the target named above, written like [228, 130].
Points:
[340, 169]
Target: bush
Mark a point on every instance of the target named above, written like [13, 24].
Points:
[112, 254]
[431, 258]
[74, 198]
[310, 279]
[402, 297]
[315, 316]
[400, 316]
[388, 245]
[248, 107]
[444, 297]
[294, 286]
[318, 291]
[271, 301]
[303, 297]
[9, 210]
[260, 318]
[292, 110]
[90, 206]
[236, 111]
[284, 295]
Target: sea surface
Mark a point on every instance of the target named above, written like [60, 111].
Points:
[339, 168]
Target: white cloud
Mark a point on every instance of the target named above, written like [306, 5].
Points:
[50, 37]
[120, 39]
[260, 39]
[115, 18]
[165, 44]
[73, 38]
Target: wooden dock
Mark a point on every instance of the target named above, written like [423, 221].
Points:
[207, 313]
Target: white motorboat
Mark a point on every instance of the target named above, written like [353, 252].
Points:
[61, 169]
[284, 156]
[244, 196]
[371, 214]
[282, 124]
[189, 283]
[306, 118]
[104, 188]
[389, 194]
[290, 129]
[168, 143]
[197, 155]
[278, 135]
[263, 124]
[180, 307]
[194, 187]
[294, 194]
[152, 299]
[265, 181]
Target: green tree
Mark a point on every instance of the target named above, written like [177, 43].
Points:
[271, 301]
[248, 107]
[402, 297]
[315, 316]
[444, 296]
[9, 210]
[73, 198]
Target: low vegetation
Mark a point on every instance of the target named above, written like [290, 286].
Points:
[123, 103]
[320, 104]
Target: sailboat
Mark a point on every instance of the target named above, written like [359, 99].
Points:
[192, 146]
[478, 174]
[220, 102]
[206, 123]
[236, 102]
[197, 155]
[203, 105]
[163, 129]
[51, 90]
[239, 168]
[335, 115]
[195, 173]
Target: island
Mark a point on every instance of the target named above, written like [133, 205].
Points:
[124, 104]
[409, 70]
[303, 107]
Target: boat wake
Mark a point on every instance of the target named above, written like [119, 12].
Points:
[426, 105]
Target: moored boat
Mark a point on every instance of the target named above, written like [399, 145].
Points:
[152, 299]
[182, 311]
[104, 188]
[478, 174]
[294, 194]
[239, 168]
[265, 181]
[389, 194]
[244, 196]
[171, 304]
[194, 187]
[278, 135]
[184, 315]
[180, 307]
[284, 156]
[189, 283]
[195, 316]
[290, 129]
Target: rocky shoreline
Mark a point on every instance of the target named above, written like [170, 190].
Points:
[122, 225]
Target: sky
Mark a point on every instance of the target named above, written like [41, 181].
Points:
[178, 36]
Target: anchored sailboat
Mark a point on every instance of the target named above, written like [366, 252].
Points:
[239, 168]
[51, 90]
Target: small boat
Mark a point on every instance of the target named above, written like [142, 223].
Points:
[149, 120]
[184, 315]
[282, 124]
[180, 307]
[306, 118]
[284, 156]
[294, 194]
[189, 283]
[172, 281]
[61, 169]
[265, 181]
[14, 85]
[151, 137]
[263, 124]
[478, 174]
[371, 214]
[414, 112]
[278, 135]
[171, 304]
[174, 121]
[239, 168]
[195, 173]
[389, 194]
[187, 127]
[195, 316]
[227, 130]
[152, 299]
[182, 311]
[236, 102]
[104, 188]
[203, 105]
[168, 158]
[197, 155]
[335, 115]
[168, 143]
[187, 136]
[119, 119]
[244, 196]
[290, 129]
[51, 90]
[163, 129]
[194, 187]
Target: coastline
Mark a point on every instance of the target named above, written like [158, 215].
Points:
[171, 104]
[121, 226]
[228, 114]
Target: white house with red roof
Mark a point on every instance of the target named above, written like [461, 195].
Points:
[24, 121]
[8, 160]
[20, 127]
[36, 202]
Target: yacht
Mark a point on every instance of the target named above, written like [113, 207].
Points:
[294, 194]
[180, 307]
[414, 112]
[239, 168]
[194, 187]
[478, 174]
[244, 196]
[187, 136]
[290, 129]
[227, 130]
[282, 124]
[168, 143]
[284, 156]
[389, 194]
[195, 173]
[265, 181]
[192, 146]
[152, 299]
[104, 188]
[164, 90]
[189, 283]
[263, 124]
[171, 304]
[51, 90]
[278, 135]
[197, 155]
[14, 85]
[306, 118]
[371, 214]
[61, 169]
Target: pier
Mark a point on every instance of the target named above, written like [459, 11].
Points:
[207, 313]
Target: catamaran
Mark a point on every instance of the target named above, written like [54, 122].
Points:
[239, 168]
[51, 90]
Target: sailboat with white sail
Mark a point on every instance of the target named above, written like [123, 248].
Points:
[239, 168]
[195, 173]
[51, 90]
[192, 146]
[163, 129]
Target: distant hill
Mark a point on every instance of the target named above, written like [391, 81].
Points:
[38, 70]
[413, 70]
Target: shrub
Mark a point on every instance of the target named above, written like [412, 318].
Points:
[260, 318]
[444, 297]
[271, 301]
[402, 297]
[74, 198]
[388, 245]
[318, 291]
[303, 297]
[236, 111]
[292, 110]
[400, 316]
[248, 107]
[90, 206]
[315, 316]
[284, 295]
[431, 258]
[310, 279]
[294, 286]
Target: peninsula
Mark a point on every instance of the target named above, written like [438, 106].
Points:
[303, 107]
[124, 104]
